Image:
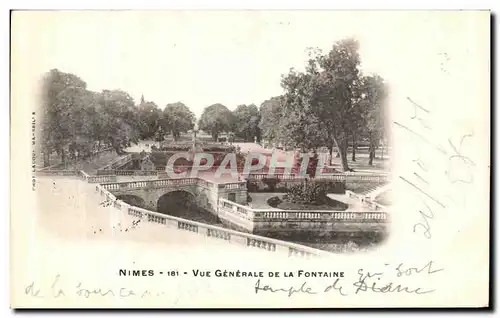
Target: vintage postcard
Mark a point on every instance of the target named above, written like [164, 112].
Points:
[250, 159]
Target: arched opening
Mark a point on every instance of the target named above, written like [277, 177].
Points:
[132, 200]
[182, 204]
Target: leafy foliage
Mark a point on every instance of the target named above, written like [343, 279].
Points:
[216, 119]
[76, 121]
[246, 122]
[270, 115]
[178, 119]
[307, 193]
[328, 104]
[150, 119]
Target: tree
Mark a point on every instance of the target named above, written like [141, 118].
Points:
[374, 97]
[215, 119]
[356, 115]
[57, 88]
[149, 118]
[246, 122]
[74, 119]
[178, 118]
[317, 103]
[270, 116]
[121, 118]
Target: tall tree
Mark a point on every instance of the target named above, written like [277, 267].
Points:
[270, 116]
[216, 119]
[246, 122]
[356, 115]
[121, 115]
[320, 100]
[57, 88]
[374, 98]
[149, 118]
[179, 119]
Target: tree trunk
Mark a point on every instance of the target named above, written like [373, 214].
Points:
[353, 147]
[342, 151]
[371, 154]
[63, 157]
[46, 159]
[331, 154]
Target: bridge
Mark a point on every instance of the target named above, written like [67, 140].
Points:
[70, 218]
[228, 201]
[205, 193]
[226, 198]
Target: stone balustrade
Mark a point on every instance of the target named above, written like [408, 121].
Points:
[149, 183]
[159, 183]
[249, 213]
[128, 172]
[378, 178]
[57, 173]
[102, 178]
[236, 185]
[215, 232]
[367, 201]
[224, 207]
[108, 195]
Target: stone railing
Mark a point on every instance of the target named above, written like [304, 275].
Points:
[234, 185]
[100, 179]
[96, 179]
[149, 183]
[230, 236]
[128, 172]
[117, 162]
[159, 183]
[57, 172]
[246, 212]
[106, 194]
[229, 207]
[280, 176]
[379, 178]
[366, 201]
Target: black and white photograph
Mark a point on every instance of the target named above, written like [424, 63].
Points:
[269, 158]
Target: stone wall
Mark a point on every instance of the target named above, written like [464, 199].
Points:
[308, 229]
[281, 186]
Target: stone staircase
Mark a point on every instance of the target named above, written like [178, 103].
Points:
[374, 191]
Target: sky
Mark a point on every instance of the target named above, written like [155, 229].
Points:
[230, 57]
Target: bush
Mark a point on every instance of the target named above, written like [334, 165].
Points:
[307, 193]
